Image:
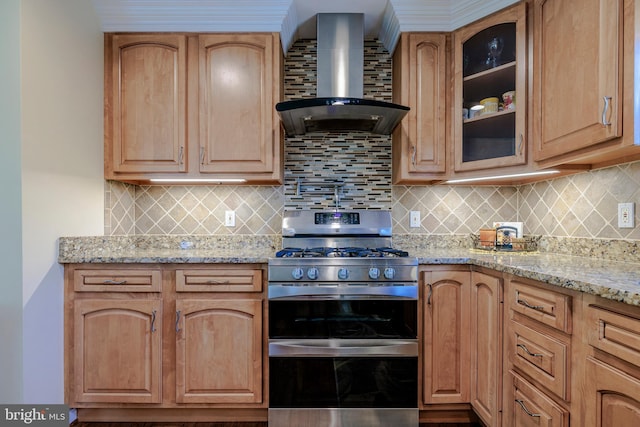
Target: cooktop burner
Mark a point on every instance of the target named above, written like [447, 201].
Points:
[357, 252]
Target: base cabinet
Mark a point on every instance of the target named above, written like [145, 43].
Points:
[218, 351]
[117, 352]
[486, 347]
[613, 368]
[530, 407]
[446, 329]
[613, 396]
[165, 338]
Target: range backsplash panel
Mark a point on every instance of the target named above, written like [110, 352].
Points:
[358, 160]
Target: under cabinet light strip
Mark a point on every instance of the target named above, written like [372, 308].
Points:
[488, 178]
[201, 180]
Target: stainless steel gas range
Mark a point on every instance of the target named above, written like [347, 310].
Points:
[343, 324]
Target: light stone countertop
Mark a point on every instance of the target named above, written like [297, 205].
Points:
[619, 281]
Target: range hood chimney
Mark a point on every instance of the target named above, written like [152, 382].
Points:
[340, 105]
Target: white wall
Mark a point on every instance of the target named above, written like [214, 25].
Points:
[62, 171]
[10, 206]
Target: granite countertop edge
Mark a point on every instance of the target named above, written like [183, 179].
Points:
[618, 281]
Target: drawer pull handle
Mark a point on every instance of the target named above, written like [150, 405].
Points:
[177, 321]
[524, 408]
[153, 321]
[526, 350]
[218, 282]
[533, 307]
[114, 282]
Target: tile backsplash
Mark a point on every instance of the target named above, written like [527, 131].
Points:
[582, 205]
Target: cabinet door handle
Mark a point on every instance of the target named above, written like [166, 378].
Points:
[526, 350]
[521, 144]
[114, 282]
[430, 294]
[177, 321]
[526, 411]
[153, 321]
[414, 152]
[605, 110]
[202, 155]
[181, 155]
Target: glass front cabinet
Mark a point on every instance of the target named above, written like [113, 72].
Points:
[489, 112]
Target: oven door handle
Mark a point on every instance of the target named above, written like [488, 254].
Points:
[343, 348]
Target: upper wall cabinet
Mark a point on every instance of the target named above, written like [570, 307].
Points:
[489, 103]
[420, 81]
[193, 106]
[145, 103]
[583, 81]
[238, 92]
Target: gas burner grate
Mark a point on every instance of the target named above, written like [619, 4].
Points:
[346, 252]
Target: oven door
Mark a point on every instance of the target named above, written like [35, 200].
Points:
[344, 318]
[350, 383]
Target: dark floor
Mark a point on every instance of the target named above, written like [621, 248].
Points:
[83, 424]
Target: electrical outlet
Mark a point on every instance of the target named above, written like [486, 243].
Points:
[230, 218]
[626, 215]
[414, 219]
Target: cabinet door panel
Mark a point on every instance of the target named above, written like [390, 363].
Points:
[613, 398]
[218, 354]
[149, 103]
[236, 103]
[446, 337]
[576, 66]
[420, 81]
[486, 347]
[498, 139]
[117, 347]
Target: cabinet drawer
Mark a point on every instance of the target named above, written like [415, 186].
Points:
[123, 280]
[542, 357]
[219, 280]
[531, 407]
[614, 333]
[548, 307]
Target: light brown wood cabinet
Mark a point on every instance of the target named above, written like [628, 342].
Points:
[612, 395]
[145, 103]
[538, 354]
[532, 408]
[492, 139]
[420, 81]
[486, 347]
[576, 74]
[173, 336]
[446, 335]
[218, 351]
[117, 351]
[573, 126]
[193, 106]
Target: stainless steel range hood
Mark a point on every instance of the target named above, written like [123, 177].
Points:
[340, 105]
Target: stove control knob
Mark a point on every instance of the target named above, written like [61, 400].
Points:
[297, 273]
[312, 273]
[343, 274]
[374, 273]
[389, 273]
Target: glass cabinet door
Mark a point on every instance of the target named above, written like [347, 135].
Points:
[489, 92]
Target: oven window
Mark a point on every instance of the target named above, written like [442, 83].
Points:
[343, 319]
[343, 382]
